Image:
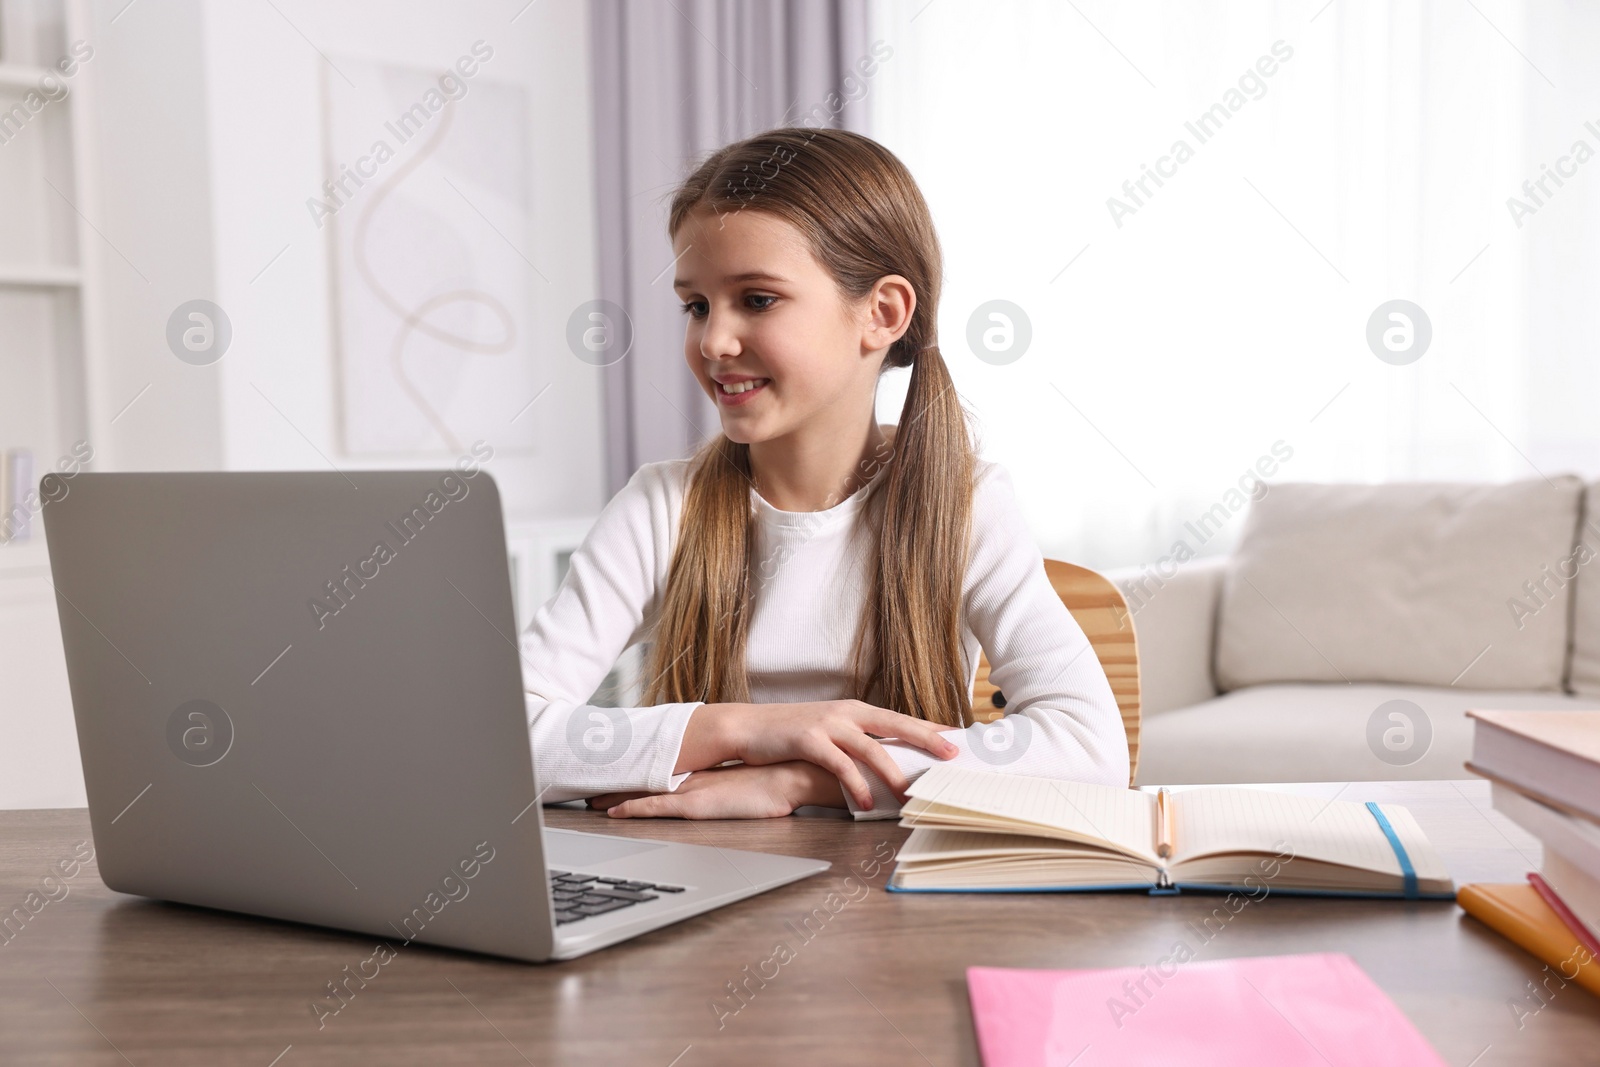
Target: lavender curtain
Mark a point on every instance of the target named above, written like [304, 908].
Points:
[673, 80]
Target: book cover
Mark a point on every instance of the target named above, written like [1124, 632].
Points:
[1566, 831]
[1517, 913]
[1574, 732]
[1315, 1009]
[1548, 894]
[1554, 755]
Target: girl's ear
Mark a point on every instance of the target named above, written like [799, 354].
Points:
[889, 309]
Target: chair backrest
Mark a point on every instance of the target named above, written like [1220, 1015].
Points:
[1101, 610]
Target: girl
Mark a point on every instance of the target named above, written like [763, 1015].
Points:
[809, 580]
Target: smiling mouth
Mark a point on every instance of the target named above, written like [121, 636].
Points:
[741, 387]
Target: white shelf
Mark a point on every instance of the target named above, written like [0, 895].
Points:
[41, 276]
[24, 558]
[17, 76]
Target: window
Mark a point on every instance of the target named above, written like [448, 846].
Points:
[1197, 311]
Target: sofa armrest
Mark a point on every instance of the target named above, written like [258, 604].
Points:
[1175, 621]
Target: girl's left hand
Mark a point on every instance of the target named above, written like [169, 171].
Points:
[738, 792]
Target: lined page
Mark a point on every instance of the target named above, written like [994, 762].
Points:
[1220, 821]
[925, 843]
[998, 859]
[1124, 817]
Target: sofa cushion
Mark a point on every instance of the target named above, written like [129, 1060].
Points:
[1583, 674]
[1174, 623]
[1324, 733]
[1421, 583]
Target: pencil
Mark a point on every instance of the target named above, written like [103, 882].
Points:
[1164, 832]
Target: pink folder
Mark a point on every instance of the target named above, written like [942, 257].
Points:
[1316, 1009]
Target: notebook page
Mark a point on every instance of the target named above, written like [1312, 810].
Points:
[1217, 821]
[1425, 859]
[1124, 817]
[926, 843]
[996, 859]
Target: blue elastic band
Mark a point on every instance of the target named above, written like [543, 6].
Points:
[1399, 851]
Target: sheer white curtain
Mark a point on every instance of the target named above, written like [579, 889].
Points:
[1355, 154]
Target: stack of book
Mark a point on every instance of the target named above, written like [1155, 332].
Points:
[1544, 774]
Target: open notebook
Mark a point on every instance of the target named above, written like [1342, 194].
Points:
[982, 830]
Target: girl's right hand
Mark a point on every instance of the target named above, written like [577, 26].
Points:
[829, 733]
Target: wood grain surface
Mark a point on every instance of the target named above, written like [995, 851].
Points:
[96, 977]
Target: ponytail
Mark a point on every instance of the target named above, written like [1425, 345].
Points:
[864, 218]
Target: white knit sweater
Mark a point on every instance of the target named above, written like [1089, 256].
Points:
[808, 591]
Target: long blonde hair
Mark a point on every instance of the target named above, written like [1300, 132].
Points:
[864, 218]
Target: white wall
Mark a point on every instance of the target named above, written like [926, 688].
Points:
[148, 194]
[266, 135]
[204, 142]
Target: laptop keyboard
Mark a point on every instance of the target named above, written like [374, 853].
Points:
[578, 896]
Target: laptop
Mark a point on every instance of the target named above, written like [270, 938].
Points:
[299, 695]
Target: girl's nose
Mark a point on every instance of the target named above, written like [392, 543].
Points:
[719, 339]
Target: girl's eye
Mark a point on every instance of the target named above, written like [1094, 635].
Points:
[691, 307]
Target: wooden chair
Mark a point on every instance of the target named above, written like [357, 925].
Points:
[1102, 612]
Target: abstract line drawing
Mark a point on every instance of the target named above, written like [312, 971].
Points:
[429, 211]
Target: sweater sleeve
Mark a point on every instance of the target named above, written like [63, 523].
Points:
[1061, 718]
[575, 638]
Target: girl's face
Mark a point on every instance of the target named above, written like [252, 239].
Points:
[758, 305]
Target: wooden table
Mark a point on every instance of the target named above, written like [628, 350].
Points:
[96, 977]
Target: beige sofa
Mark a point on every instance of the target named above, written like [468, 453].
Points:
[1352, 626]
